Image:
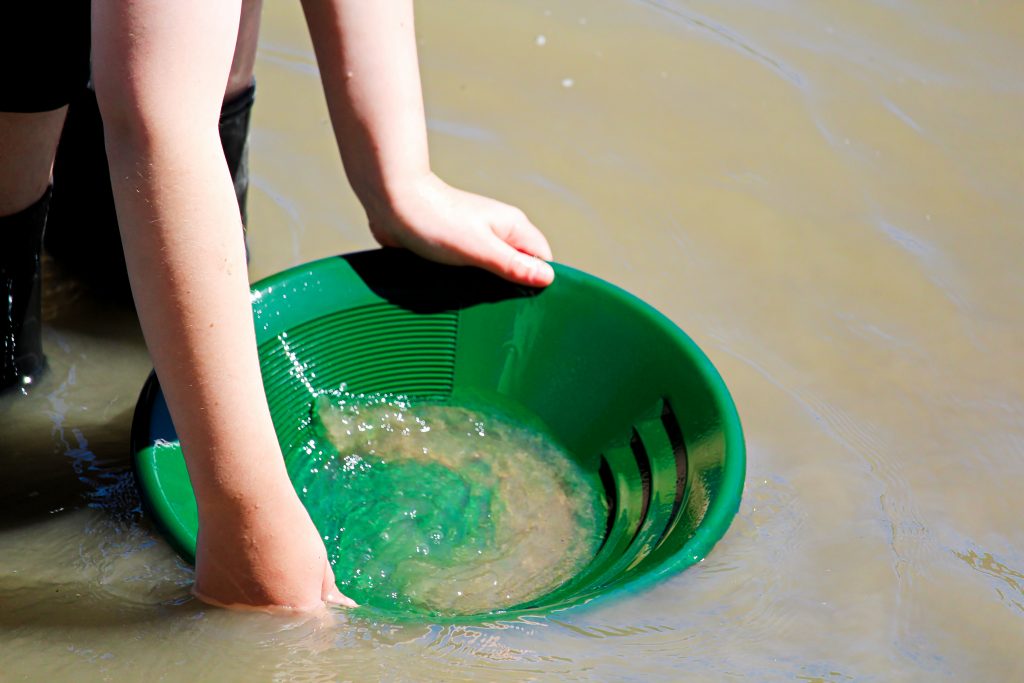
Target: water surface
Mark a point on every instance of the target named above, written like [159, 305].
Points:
[826, 196]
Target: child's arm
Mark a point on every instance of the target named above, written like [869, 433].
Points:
[160, 70]
[366, 51]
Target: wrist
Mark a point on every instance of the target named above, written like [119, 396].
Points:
[240, 508]
[382, 195]
[261, 482]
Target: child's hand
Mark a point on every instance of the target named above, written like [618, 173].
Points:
[451, 226]
[266, 555]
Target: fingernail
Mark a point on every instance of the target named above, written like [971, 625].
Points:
[536, 269]
[544, 271]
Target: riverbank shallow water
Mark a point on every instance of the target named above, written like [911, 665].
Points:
[826, 198]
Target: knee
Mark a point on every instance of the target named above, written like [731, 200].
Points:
[27, 146]
[243, 62]
[128, 119]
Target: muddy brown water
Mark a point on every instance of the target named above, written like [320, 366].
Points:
[826, 196]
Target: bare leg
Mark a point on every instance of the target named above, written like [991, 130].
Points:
[243, 63]
[239, 97]
[28, 143]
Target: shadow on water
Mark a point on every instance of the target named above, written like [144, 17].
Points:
[65, 439]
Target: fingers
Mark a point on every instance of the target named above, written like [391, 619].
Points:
[514, 249]
[460, 228]
[331, 594]
[518, 231]
[504, 260]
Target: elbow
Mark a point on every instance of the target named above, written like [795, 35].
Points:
[142, 120]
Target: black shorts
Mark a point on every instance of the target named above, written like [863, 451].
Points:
[44, 53]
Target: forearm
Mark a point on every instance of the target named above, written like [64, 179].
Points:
[366, 51]
[187, 265]
[182, 233]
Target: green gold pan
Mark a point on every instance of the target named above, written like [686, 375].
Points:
[616, 383]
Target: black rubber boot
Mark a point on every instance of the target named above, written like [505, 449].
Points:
[22, 358]
[82, 234]
[235, 117]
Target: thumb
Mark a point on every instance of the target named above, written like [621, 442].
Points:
[330, 593]
[504, 260]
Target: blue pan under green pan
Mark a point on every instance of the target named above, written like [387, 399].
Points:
[619, 386]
